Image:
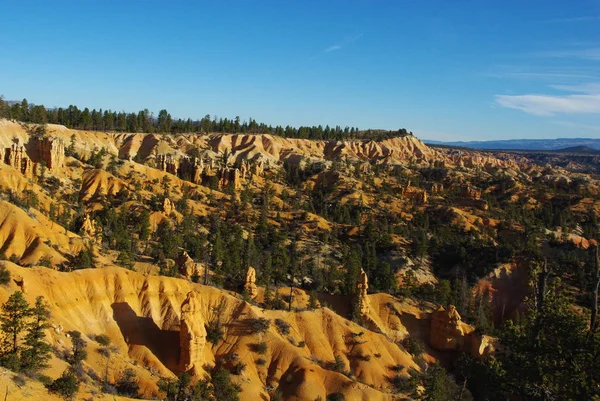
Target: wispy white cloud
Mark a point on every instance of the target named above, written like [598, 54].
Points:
[332, 48]
[589, 88]
[571, 19]
[548, 105]
[343, 44]
[574, 64]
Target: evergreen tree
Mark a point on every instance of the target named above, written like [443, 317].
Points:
[223, 388]
[164, 121]
[549, 356]
[78, 350]
[144, 231]
[25, 111]
[66, 385]
[4, 111]
[13, 322]
[36, 352]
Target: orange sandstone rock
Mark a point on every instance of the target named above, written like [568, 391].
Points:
[192, 335]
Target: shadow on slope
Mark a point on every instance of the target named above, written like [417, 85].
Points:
[142, 331]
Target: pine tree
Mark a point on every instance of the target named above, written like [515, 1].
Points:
[144, 232]
[3, 108]
[13, 321]
[66, 385]
[79, 353]
[36, 352]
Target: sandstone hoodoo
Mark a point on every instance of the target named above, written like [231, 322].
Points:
[168, 207]
[362, 299]
[51, 151]
[187, 267]
[16, 157]
[192, 335]
[449, 333]
[447, 330]
[250, 285]
[91, 230]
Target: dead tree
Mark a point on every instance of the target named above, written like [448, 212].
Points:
[542, 281]
[595, 288]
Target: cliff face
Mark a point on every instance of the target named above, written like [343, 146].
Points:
[262, 150]
[51, 151]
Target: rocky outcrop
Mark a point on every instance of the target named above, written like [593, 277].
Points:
[250, 285]
[471, 193]
[51, 152]
[27, 167]
[192, 335]
[16, 157]
[362, 302]
[186, 265]
[244, 169]
[434, 187]
[258, 168]
[362, 305]
[447, 331]
[191, 169]
[197, 171]
[417, 195]
[168, 207]
[482, 345]
[20, 282]
[168, 163]
[470, 196]
[229, 177]
[91, 230]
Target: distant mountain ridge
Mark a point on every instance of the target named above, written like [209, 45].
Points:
[580, 149]
[525, 144]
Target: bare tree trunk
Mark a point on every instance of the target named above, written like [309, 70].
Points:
[595, 288]
[541, 295]
[542, 280]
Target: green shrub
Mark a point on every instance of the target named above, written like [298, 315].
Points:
[128, 385]
[238, 368]
[283, 326]
[260, 348]
[338, 364]
[214, 332]
[66, 385]
[259, 325]
[103, 340]
[413, 346]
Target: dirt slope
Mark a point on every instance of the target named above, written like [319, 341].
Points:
[141, 315]
[30, 236]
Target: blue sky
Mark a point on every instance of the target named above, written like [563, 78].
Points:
[447, 70]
